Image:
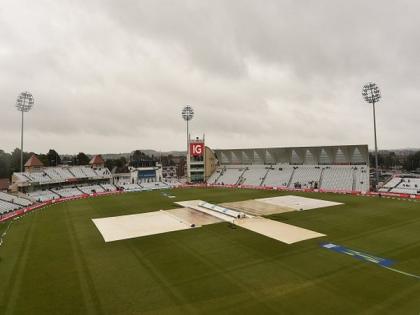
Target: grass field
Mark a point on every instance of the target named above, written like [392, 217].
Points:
[54, 261]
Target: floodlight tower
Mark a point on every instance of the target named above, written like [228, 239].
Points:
[24, 104]
[372, 95]
[187, 114]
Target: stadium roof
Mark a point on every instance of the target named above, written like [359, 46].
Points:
[341, 154]
[97, 159]
[4, 183]
[33, 162]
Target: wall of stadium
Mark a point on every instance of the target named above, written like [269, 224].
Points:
[323, 155]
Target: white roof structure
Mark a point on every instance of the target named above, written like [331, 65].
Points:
[326, 155]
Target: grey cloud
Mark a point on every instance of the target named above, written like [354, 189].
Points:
[112, 76]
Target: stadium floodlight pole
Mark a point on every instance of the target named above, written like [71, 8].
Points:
[24, 104]
[187, 114]
[372, 95]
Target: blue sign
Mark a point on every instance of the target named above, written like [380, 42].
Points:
[146, 174]
[359, 255]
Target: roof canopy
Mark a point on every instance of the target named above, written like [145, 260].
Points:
[33, 162]
[97, 159]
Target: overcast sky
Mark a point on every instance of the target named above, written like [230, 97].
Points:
[113, 76]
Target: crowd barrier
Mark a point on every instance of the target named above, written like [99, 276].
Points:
[22, 211]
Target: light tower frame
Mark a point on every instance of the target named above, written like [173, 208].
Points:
[187, 114]
[372, 95]
[24, 104]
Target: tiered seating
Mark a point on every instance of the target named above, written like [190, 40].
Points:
[334, 177]
[64, 173]
[58, 174]
[130, 187]
[43, 195]
[14, 199]
[68, 192]
[77, 172]
[337, 178]
[103, 173]
[52, 173]
[89, 172]
[91, 189]
[278, 176]
[21, 177]
[361, 178]
[213, 178]
[230, 176]
[305, 176]
[39, 177]
[153, 185]
[61, 174]
[173, 183]
[109, 187]
[407, 186]
[393, 182]
[7, 207]
[254, 175]
[390, 185]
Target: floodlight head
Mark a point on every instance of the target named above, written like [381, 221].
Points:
[187, 113]
[371, 93]
[24, 102]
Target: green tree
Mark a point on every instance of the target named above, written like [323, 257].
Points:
[43, 158]
[53, 158]
[412, 162]
[15, 160]
[5, 160]
[119, 164]
[81, 159]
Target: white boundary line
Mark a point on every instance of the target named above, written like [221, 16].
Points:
[402, 272]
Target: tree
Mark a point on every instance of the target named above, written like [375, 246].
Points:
[119, 164]
[5, 160]
[53, 158]
[390, 160]
[412, 162]
[15, 160]
[43, 158]
[81, 159]
[140, 159]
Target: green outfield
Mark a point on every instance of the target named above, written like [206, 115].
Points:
[54, 261]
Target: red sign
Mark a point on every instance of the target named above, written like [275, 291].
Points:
[197, 149]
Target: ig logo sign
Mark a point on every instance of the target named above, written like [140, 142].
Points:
[197, 149]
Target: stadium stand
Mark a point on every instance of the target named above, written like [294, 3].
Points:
[230, 175]
[327, 177]
[43, 195]
[337, 178]
[361, 178]
[38, 177]
[279, 175]
[254, 175]
[335, 168]
[402, 185]
[6, 207]
[41, 183]
[109, 187]
[129, 187]
[89, 172]
[154, 185]
[14, 199]
[91, 189]
[103, 172]
[78, 172]
[306, 176]
[68, 192]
